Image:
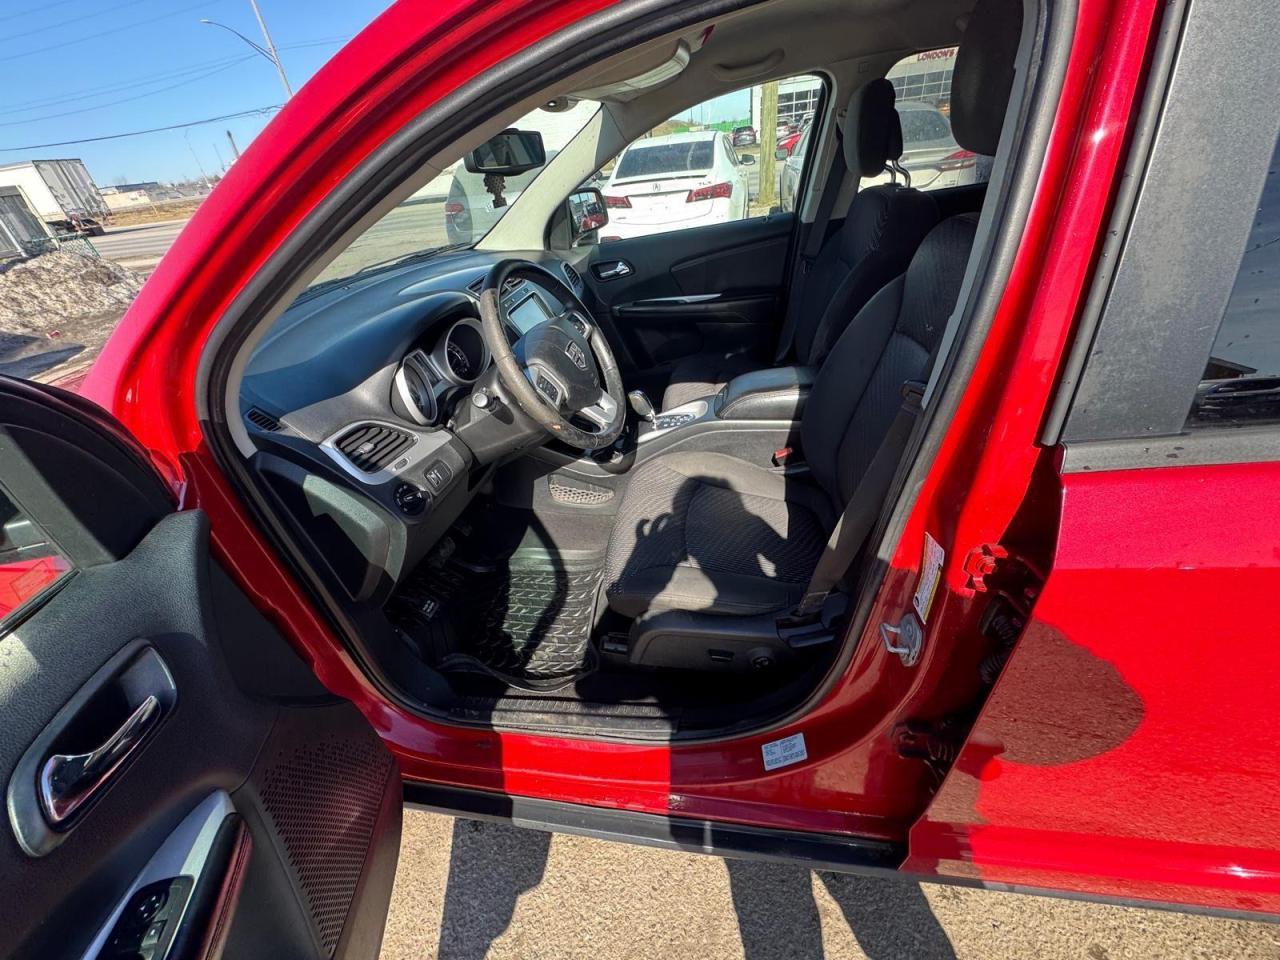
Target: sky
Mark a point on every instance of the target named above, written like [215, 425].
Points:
[76, 69]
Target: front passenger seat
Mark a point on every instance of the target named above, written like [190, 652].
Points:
[882, 230]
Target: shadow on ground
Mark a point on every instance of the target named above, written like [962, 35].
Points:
[492, 865]
[26, 356]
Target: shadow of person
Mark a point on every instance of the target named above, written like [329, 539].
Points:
[778, 914]
[490, 866]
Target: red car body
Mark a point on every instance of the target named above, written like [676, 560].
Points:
[1161, 792]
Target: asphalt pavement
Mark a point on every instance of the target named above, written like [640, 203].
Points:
[139, 247]
[467, 890]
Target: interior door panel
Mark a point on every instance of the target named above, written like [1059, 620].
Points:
[660, 308]
[249, 813]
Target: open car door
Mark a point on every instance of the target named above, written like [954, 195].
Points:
[178, 784]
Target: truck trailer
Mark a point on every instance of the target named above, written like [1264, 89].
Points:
[61, 192]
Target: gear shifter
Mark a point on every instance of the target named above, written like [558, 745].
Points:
[641, 404]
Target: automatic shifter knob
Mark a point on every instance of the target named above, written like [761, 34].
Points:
[640, 403]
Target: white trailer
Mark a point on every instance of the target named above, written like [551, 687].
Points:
[61, 192]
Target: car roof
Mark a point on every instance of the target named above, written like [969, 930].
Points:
[690, 137]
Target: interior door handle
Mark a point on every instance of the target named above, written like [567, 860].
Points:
[612, 270]
[68, 780]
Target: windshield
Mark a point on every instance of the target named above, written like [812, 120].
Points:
[457, 208]
[651, 160]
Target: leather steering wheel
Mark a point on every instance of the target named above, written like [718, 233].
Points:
[560, 371]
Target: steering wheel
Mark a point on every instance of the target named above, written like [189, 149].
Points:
[560, 371]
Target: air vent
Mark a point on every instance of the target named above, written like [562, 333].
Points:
[373, 446]
[476, 285]
[572, 275]
[262, 420]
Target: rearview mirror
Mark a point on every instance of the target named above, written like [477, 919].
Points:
[509, 154]
[746, 158]
[587, 212]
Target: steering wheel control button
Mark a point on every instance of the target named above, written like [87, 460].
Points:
[410, 500]
[438, 476]
[547, 388]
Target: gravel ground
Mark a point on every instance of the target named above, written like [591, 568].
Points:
[468, 890]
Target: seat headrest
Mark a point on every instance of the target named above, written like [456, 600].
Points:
[872, 133]
[983, 74]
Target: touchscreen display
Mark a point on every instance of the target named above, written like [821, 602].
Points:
[527, 314]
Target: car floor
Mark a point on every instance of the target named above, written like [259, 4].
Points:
[467, 890]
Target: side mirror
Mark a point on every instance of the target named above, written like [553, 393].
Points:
[746, 158]
[587, 212]
[509, 154]
[781, 153]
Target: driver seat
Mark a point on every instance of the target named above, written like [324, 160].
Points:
[712, 533]
[707, 548]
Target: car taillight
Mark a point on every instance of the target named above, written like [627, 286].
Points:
[714, 192]
[453, 208]
[617, 203]
[958, 160]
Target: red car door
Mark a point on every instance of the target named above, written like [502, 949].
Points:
[1129, 747]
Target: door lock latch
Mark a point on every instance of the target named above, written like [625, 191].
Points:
[906, 639]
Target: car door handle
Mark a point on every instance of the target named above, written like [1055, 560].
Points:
[612, 270]
[68, 780]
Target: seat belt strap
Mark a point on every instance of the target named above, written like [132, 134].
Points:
[812, 247]
[863, 508]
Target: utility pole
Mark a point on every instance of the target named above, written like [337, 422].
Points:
[222, 166]
[204, 176]
[269, 51]
[235, 151]
[272, 55]
[768, 194]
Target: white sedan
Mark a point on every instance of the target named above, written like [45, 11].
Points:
[675, 181]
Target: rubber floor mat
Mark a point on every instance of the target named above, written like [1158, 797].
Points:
[526, 621]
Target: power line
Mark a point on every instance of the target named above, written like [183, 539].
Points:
[89, 93]
[136, 96]
[40, 9]
[106, 33]
[44, 103]
[259, 111]
[83, 16]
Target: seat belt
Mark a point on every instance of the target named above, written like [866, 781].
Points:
[812, 247]
[860, 513]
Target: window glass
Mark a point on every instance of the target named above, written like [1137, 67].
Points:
[1242, 376]
[930, 153]
[457, 208]
[712, 163]
[30, 563]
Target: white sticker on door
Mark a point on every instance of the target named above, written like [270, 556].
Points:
[930, 573]
[784, 752]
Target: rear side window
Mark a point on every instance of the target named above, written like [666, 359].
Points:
[1241, 380]
[30, 562]
[665, 158]
[930, 153]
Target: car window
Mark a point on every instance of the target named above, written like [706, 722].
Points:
[802, 145]
[711, 163]
[457, 208]
[1241, 381]
[930, 153]
[30, 562]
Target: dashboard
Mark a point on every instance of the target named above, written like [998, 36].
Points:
[367, 406]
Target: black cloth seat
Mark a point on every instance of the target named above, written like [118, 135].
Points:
[879, 235]
[713, 533]
[710, 532]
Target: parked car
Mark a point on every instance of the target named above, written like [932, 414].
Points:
[303, 552]
[930, 153]
[680, 179]
[744, 136]
[791, 168]
[787, 144]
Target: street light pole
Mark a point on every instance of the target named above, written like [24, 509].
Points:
[269, 51]
[271, 47]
